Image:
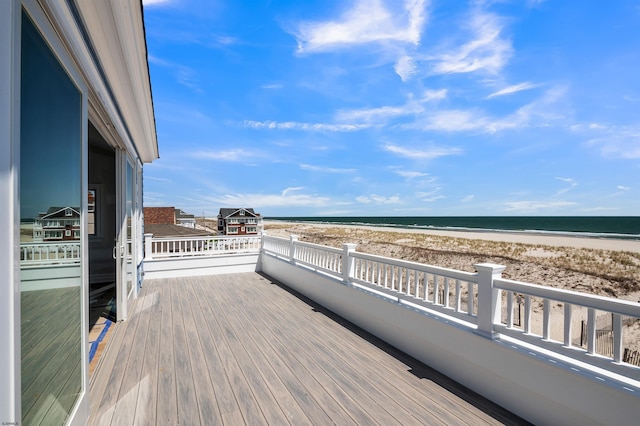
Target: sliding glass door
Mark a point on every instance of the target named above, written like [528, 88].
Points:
[125, 250]
[52, 235]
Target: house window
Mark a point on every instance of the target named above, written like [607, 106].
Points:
[252, 229]
[241, 212]
[67, 233]
[68, 212]
[232, 230]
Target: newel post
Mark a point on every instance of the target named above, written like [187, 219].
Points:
[347, 262]
[148, 246]
[489, 298]
[262, 235]
[292, 249]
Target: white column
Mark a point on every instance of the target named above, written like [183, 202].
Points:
[347, 262]
[292, 248]
[148, 246]
[489, 301]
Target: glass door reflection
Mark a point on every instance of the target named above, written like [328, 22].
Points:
[51, 240]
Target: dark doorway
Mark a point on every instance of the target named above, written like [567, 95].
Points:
[101, 228]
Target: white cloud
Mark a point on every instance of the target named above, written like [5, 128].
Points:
[291, 189]
[288, 198]
[434, 95]
[405, 67]
[156, 178]
[513, 89]
[534, 206]
[487, 51]
[368, 21]
[623, 188]
[430, 196]
[154, 2]
[468, 198]
[326, 169]
[309, 127]
[409, 174]
[232, 155]
[572, 184]
[618, 143]
[378, 199]
[183, 75]
[416, 154]
[385, 113]
[538, 112]
[453, 121]
[272, 86]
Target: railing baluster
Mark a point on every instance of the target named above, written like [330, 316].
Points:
[407, 282]
[527, 314]
[568, 313]
[591, 331]
[617, 337]
[509, 295]
[446, 292]
[426, 286]
[470, 298]
[546, 320]
[436, 289]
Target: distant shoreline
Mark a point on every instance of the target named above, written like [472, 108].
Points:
[618, 228]
[523, 237]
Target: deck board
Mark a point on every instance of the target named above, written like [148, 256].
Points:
[241, 349]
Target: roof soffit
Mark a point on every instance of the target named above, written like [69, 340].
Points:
[116, 30]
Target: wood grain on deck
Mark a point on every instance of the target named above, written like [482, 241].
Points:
[241, 349]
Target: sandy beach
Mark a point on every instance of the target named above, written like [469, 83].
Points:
[607, 267]
[507, 237]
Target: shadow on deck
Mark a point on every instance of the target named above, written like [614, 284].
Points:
[242, 349]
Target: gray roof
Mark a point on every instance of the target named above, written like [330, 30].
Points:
[181, 214]
[224, 212]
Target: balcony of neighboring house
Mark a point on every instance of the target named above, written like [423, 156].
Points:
[246, 330]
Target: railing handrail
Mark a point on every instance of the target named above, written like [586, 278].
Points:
[317, 246]
[617, 306]
[431, 269]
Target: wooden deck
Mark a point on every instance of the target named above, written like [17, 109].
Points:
[241, 349]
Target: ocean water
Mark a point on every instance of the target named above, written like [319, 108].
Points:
[623, 227]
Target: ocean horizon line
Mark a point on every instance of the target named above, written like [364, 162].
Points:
[610, 227]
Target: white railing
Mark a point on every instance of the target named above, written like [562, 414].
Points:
[180, 247]
[37, 254]
[571, 301]
[417, 282]
[476, 298]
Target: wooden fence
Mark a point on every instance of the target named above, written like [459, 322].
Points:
[631, 357]
[604, 339]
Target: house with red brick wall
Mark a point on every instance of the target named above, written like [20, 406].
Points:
[159, 215]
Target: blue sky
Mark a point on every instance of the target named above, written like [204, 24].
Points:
[396, 108]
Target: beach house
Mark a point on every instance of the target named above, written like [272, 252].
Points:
[238, 329]
[239, 221]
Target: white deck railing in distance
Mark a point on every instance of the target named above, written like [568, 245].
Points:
[49, 253]
[159, 248]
